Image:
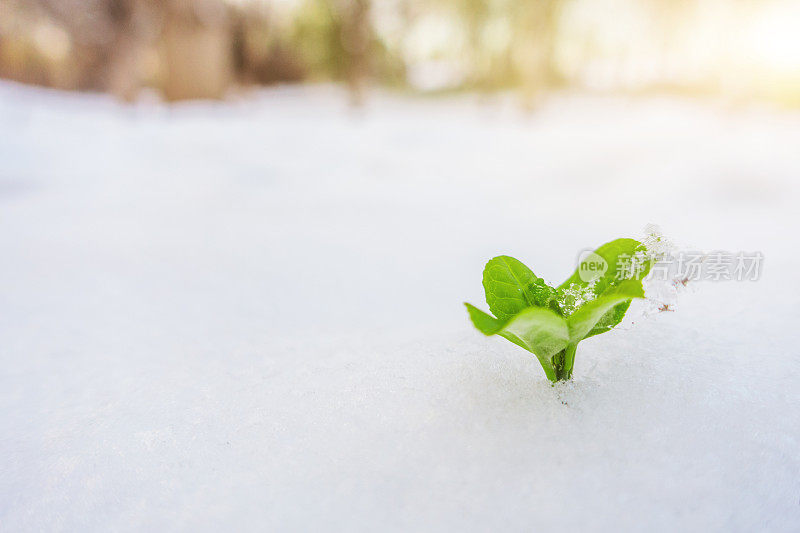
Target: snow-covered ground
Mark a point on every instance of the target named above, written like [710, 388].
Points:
[249, 315]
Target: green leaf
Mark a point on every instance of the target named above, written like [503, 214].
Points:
[486, 324]
[623, 259]
[585, 319]
[618, 256]
[607, 322]
[540, 331]
[511, 287]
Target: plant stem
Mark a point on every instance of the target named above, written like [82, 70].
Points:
[563, 362]
[569, 358]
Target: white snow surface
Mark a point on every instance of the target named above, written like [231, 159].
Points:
[248, 316]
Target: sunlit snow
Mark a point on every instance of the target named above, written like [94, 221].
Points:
[249, 315]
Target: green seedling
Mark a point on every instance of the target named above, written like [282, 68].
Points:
[550, 321]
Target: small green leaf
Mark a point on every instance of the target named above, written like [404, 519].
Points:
[511, 287]
[607, 322]
[619, 255]
[540, 331]
[486, 324]
[582, 321]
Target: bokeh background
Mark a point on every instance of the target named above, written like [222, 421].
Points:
[741, 50]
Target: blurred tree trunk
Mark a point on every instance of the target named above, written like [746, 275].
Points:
[262, 55]
[356, 40]
[197, 50]
[131, 20]
[107, 39]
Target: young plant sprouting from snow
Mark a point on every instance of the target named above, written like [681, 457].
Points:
[550, 321]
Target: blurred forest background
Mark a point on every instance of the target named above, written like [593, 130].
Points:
[185, 49]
